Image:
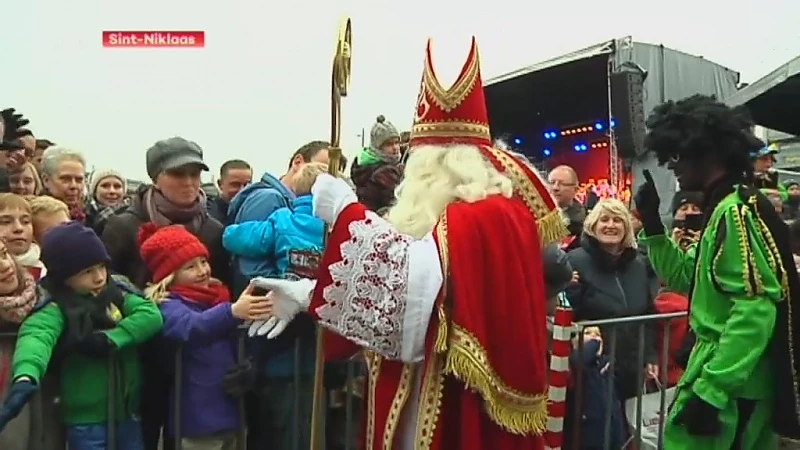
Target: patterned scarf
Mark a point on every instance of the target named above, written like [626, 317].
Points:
[16, 307]
[163, 212]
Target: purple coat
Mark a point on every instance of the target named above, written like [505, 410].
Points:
[209, 350]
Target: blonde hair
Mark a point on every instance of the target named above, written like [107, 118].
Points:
[47, 205]
[436, 176]
[37, 180]
[614, 208]
[307, 175]
[158, 292]
[14, 201]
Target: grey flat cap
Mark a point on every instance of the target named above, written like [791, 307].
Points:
[172, 153]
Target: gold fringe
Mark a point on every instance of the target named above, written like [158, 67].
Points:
[551, 227]
[440, 345]
[514, 411]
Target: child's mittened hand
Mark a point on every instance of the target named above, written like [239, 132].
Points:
[96, 345]
[18, 396]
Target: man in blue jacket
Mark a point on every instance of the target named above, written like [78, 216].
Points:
[271, 413]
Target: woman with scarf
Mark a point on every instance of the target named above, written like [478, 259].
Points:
[174, 198]
[106, 198]
[377, 169]
[17, 299]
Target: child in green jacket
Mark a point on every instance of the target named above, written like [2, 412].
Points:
[89, 328]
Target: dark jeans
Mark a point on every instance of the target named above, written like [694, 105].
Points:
[279, 414]
[95, 436]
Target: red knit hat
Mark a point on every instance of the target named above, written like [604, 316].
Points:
[164, 250]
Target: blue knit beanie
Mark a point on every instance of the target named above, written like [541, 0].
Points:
[69, 248]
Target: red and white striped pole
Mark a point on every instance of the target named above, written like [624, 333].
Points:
[559, 377]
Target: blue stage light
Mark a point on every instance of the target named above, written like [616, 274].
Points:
[546, 152]
[583, 147]
[550, 134]
[577, 147]
[598, 126]
[613, 123]
[518, 141]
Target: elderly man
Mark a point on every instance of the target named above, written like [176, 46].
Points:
[564, 184]
[63, 175]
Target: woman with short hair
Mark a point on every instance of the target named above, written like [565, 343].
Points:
[612, 283]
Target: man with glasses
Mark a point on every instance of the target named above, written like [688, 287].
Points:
[563, 184]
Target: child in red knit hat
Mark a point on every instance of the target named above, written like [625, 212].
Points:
[199, 315]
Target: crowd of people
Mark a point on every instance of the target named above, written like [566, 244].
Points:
[162, 268]
[103, 289]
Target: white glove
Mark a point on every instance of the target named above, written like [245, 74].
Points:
[330, 196]
[288, 298]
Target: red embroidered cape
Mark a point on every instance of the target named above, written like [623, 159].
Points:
[487, 333]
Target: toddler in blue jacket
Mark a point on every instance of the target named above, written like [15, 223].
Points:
[293, 238]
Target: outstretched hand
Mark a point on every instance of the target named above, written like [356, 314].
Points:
[250, 306]
[18, 396]
[648, 203]
[286, 299]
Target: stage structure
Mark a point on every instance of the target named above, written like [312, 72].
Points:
[587, 109]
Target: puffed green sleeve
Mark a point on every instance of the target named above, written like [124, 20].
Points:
[672, 265]
[743, 267]
[36, 340]
[142, 321]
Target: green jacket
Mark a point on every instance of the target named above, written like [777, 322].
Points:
[84, 380]
[733, 301]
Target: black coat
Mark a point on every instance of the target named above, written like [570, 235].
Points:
[613, 288]
[119, 237]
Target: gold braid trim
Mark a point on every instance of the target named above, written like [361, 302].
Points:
[748, 264]
[515, 411]
[440, 344]
[373, 361]
[551, 225]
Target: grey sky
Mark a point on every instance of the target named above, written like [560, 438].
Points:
[260, 87]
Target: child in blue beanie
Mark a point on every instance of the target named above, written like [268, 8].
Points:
[85, 318]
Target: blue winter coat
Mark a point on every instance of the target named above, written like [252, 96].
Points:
[595, 383]
[256, 202]
[208, 336]
[293, 239]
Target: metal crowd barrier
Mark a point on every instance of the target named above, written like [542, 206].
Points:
[610, 329]
[299, 429]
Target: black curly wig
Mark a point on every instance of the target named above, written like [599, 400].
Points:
[700, 127]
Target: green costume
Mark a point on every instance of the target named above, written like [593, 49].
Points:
[736, 279]
[84, 380]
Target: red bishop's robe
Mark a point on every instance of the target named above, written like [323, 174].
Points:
[453, 326]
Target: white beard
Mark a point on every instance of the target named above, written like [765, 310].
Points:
[436, 176]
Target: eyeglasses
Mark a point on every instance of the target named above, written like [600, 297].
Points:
[561, 183]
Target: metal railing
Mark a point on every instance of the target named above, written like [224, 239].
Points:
[632, 423]
[299, 428]
[349, 390]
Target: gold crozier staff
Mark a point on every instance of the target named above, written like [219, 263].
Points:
[340, 80]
